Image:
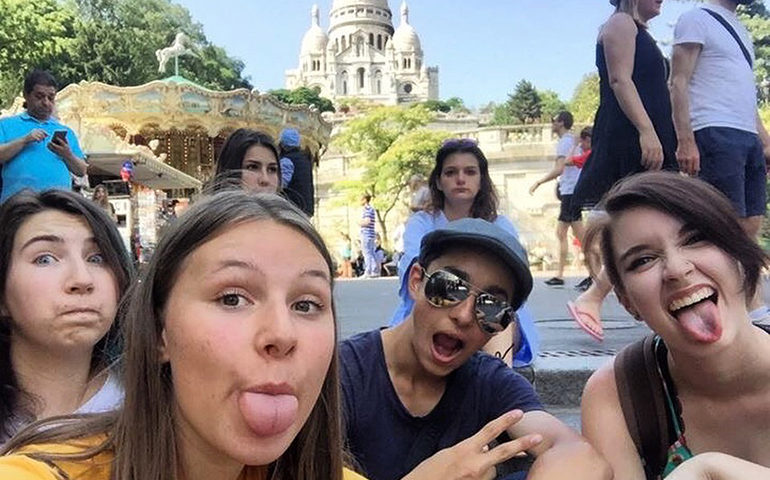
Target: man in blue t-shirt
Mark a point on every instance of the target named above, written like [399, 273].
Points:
[32, 154]
[422, 402]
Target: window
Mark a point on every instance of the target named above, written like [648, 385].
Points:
[408, 87]
[361, 73]
[371, 39]
[378, 82]
[379, 41]
[343, 43]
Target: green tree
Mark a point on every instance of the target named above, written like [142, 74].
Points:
[525, 104]
[551, 104]
[32, 34]
[304, 96]
[585, 100]
[390, 144]
[501, 115]
[112, 41]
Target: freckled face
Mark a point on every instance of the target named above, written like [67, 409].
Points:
[260, 169]
[249, 336]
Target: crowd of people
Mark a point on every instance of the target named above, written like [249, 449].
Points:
[221, 358]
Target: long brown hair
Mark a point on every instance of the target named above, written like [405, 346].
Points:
[14, 403]
[485, 204]
[142, 435]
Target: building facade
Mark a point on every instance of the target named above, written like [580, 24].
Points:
[363, 56]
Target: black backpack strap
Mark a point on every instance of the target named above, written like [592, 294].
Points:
[643, 403]
[719, 18]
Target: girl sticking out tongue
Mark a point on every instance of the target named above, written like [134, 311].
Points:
[680, 261]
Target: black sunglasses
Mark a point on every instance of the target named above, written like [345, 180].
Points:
[445, 289]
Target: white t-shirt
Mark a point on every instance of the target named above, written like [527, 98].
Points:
[108, 398]
[569, 176]
[723, 91]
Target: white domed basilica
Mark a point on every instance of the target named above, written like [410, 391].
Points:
[362, 56]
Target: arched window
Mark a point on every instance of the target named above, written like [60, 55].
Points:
[343, 43]
[344, 82]
[378, 82]
[361, 73]
[379, 41]
[336, 44]
[403, 63]
[371, 39]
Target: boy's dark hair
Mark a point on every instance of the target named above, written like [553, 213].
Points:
[38, 77]
[566, 118]
[587, 132]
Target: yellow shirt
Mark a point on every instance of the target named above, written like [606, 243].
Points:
[21, 467]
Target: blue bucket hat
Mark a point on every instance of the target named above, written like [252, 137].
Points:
[290, 137]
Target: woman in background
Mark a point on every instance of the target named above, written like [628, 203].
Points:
[633, 129]
[249, 158]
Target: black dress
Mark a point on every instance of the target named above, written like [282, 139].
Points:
[615, 149]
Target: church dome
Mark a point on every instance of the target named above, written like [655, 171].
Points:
[360, 3]
[405, 37]
[315, 38]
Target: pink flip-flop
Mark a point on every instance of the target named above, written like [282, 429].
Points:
[586, 321]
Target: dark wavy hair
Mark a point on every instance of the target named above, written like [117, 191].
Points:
[230, 160]
[485, 204]
[700, 206]
[13, 214]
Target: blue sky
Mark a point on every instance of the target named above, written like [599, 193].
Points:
[482, 47]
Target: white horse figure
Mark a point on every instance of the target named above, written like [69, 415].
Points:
[176, 50]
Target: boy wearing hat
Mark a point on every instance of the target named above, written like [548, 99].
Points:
[422, 401]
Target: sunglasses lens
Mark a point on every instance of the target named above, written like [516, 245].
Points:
[493, 314]
[445, 290]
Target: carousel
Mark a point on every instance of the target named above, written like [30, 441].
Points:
[159, 141]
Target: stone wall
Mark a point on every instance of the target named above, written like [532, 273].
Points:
[518, 155]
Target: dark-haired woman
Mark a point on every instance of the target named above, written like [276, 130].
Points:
[633, 129]
[63, 270]
[249, 157]
[230, 360]
[680, 261]
[461, 187]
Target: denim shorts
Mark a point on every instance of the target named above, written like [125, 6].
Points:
[732, 161]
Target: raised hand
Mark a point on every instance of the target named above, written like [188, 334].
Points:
[472, 459]
[35, 135]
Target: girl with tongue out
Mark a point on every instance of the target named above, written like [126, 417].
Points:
[680, 261]
[230, 367]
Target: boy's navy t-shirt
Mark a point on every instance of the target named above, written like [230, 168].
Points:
[380, 430]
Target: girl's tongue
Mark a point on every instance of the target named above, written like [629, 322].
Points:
[701, 321]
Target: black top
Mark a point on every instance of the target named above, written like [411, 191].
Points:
[615, 149]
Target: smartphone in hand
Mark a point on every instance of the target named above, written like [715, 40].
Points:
[59, 136]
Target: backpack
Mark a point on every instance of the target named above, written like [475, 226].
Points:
[642, 399]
